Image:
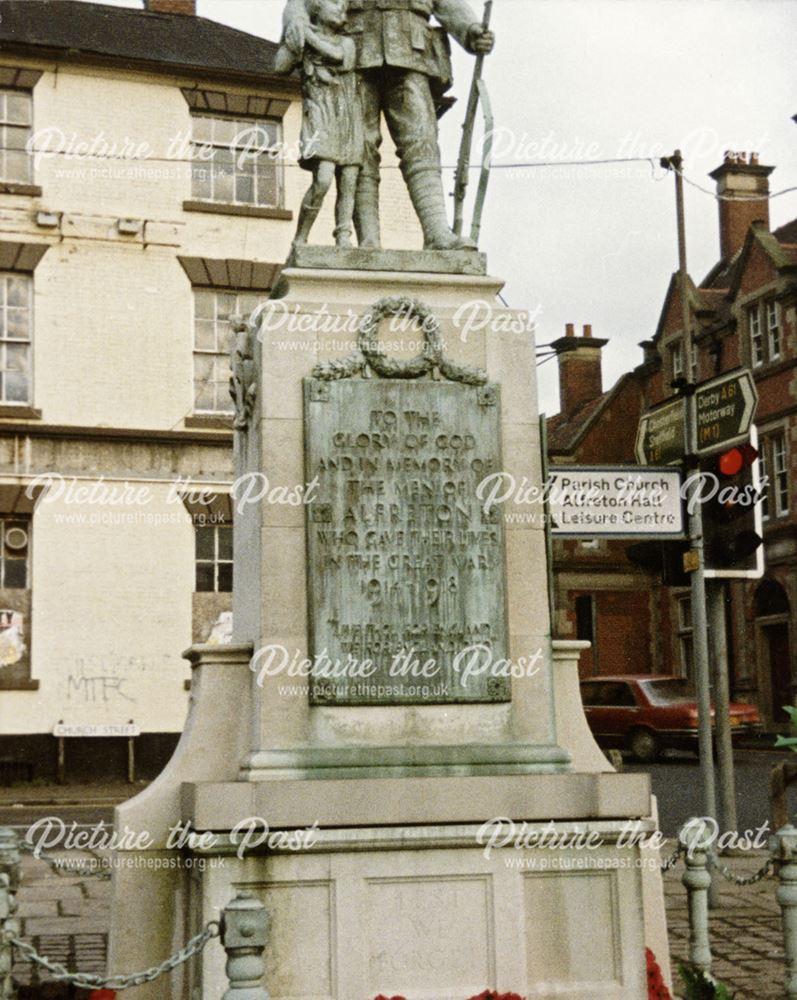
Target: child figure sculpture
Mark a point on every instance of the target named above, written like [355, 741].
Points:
[332, 143]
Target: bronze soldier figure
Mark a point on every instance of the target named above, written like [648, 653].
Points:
[404, 68]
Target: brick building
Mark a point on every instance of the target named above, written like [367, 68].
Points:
[743, 313]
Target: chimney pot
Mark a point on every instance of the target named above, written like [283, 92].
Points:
[580, 379]
[570, 329]
[743, 198]
[588, 329]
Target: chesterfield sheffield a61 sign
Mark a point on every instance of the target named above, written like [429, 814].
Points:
[660, 438]
[725, 407]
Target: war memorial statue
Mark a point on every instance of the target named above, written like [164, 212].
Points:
[403, 70]
[441, 719]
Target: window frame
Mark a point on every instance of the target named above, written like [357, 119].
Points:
[218, 323]
[763, 472]
[755, 334]
[774, 339]
[677, 359]
[780, 473]
[216, 562]
[203, 164]
[773, 459]
[5, 148]
[5, 279]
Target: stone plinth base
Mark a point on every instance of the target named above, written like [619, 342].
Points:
[420, 912]
[410, 261]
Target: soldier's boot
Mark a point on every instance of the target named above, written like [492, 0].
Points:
[366, 213]
[308, 213]
[426, 192]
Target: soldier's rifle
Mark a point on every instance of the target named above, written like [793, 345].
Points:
[478, 92]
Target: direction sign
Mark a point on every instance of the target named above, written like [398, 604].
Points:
[615, 502]
[725, 409]
[660, 438]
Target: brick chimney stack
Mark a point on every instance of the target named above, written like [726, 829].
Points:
[171, 7]
[580, 377]
[744, 180]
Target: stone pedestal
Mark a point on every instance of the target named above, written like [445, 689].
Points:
[392, 891]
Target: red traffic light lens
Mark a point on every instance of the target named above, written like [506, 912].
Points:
[731, 462]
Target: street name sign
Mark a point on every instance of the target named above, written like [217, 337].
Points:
[725, 408]
[660, 438]
[615, 502]
[97, 729]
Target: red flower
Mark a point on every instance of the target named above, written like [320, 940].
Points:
[657, 988]
[491, 995]
[381, 997]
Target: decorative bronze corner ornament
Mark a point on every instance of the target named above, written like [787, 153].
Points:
[369, 358]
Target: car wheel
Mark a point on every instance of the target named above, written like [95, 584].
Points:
[643, 745]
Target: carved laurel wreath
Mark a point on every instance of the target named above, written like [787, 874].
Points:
[369, 356]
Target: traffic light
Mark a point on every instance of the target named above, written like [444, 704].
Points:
[730, 493]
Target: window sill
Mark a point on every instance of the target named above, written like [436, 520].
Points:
[209, 422]
[17, 411]
[12, 187]
[227, 208]
[772, 367]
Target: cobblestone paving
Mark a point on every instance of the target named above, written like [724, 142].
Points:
[64, 917]
[745, 931]
[67, 919]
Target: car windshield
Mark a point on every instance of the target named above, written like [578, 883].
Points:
[668, 691]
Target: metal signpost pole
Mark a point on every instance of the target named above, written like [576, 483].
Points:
[719, 650]
[698, 579]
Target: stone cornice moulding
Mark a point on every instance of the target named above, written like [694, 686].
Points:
[52, 60]
[19, 77]
[227, 102]
[238, 275]
[21, 257]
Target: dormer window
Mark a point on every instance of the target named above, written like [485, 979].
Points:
[756, 336]
[763, 327]
[677, 361]
[677, 366]
[773, 329]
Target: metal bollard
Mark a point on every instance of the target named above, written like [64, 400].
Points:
[244, 931]
[784, 848]
[697, 880]
[8, 907]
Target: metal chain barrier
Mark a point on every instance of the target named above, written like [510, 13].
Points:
[64, 871]
[766, 869]
[88, 981]
[672, 861]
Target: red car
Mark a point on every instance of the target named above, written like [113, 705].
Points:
[648, 714]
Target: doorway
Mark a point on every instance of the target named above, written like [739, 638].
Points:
[772, 621]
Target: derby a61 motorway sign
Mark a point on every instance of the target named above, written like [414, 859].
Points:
[660, 438]
[725, 408]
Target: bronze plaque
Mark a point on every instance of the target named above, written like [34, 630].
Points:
[406, 571]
